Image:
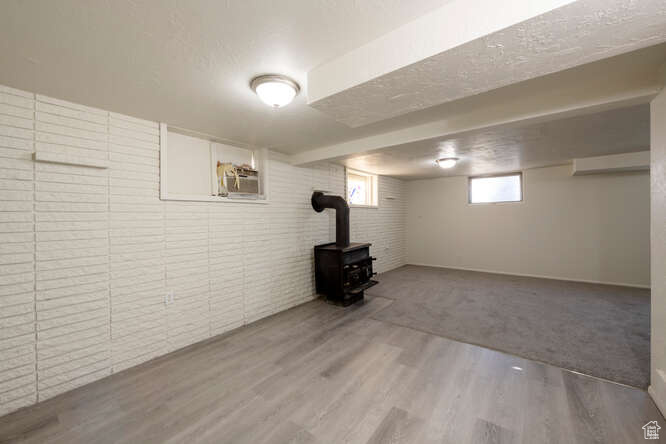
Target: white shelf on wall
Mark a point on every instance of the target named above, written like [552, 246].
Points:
[197, 198]
[46, 157]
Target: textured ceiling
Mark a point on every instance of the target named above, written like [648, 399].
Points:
[581, 32]
[189, 63]
[512, 148]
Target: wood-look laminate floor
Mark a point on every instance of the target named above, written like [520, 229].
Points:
[324, 374]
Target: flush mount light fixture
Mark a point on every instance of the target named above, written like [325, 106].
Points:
[448, 162]
[275, 90]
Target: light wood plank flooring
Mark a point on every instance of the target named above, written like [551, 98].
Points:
[324, 374]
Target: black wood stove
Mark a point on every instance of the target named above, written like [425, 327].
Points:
[343, 270]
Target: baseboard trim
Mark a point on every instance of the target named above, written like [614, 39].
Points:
[401, 264]
[658, 402]
[482, 270]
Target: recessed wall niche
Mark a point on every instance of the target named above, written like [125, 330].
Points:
[199, 168]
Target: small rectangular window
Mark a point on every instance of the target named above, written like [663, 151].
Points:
[496, 189]
[361, 188]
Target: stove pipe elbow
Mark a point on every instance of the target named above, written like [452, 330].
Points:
[321, 201]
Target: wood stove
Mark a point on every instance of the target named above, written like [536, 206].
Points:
[343, 270]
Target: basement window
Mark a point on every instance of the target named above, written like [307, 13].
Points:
[496, 189]
[361, 189]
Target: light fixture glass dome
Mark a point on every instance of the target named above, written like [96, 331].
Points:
[275, 90]
[448, 162]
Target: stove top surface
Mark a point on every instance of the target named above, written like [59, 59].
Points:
[351, 247]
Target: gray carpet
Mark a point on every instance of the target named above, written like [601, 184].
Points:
[599, 330]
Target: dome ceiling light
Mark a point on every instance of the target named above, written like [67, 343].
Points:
[275, 90]
[447, 162]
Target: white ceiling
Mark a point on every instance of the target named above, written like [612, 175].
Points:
[189, 63]
[458, 51]
[516, 147]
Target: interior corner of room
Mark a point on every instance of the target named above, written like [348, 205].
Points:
[332, 221]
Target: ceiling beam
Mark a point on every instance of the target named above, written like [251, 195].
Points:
[468, 47]
[615, 163]
[584, 90]
[455, 23]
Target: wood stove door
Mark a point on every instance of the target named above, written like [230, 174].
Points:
[358, 274]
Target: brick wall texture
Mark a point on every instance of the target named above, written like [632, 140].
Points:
[87, 255]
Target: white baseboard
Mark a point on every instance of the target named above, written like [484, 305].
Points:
[402, 264]
[660, 403]
[557, 278]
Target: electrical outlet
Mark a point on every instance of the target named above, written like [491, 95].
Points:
[168, 298]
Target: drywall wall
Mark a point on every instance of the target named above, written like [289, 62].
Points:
[589, 228]
[658, 248]
[87, 255]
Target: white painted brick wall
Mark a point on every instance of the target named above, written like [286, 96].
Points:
[18, 374]
[384, 226]
[72, 248]
[87, 255]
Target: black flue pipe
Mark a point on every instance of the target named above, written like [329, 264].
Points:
[321, 201]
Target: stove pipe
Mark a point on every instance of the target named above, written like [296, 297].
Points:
[320, 201]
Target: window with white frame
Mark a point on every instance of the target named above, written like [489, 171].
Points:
[361, 188]
[496, 189]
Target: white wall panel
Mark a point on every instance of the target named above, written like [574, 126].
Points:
[72, 294]
[18, 378]
[658, 251]
[587, 228]
[138, 243]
